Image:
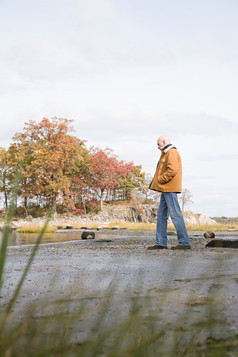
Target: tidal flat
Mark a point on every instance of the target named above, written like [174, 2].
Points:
[176, 290]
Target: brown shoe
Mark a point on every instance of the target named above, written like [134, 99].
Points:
[157, 246]
[181, 247]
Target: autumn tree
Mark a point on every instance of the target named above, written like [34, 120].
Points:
[81, 192]
[49, 157]
[106, 171]
[56, 168]
[103, 172]
[133, 180]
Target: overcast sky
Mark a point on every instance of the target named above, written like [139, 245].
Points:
[126, 72]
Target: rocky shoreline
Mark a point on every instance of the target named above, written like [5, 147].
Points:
[137, 214]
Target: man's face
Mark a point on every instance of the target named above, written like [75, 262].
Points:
[160, 144]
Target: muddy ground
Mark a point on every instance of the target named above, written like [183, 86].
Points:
[168, 284]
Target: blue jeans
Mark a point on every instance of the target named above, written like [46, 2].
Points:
[169, 206]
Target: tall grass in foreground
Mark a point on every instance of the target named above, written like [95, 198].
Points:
[108, 325]
[89, 326]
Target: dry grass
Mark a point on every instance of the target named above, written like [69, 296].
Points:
[215, 228]
[132, 225]
[112, 224]
[146, 226]
[35, 228]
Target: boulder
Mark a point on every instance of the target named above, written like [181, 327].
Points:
[145, 213]
[205, 220]
[88, 235]
[190, 220]
[223, 243]
[193, 219]
[209, 234]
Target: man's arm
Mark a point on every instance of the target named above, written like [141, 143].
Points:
[172, 167]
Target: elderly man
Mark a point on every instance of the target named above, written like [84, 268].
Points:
[168, 180]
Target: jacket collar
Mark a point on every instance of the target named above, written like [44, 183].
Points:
[167, 148]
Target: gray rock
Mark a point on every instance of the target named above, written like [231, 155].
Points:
[223, 243]
[88, 235]
[209, 234]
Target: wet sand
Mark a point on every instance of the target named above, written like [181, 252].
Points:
[172, 282]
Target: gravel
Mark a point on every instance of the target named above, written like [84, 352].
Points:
[87, 268]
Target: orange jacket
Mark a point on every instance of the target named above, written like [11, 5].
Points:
[168, 174]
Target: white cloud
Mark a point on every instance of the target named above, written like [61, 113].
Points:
[91, 11]
[127, 72]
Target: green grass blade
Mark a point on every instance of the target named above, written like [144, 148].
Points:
[28, 265]
[7, 227]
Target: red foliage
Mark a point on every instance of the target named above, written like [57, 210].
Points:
[106, 170]
[56, 168]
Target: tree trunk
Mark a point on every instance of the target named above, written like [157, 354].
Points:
[26, 206]
[101, 200]
[52, 203]
[5, 199]
[5, 193]
[101, 203]
[84, 206]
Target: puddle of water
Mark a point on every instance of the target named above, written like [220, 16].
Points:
[16, 239]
